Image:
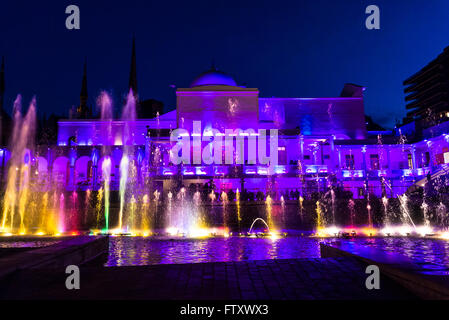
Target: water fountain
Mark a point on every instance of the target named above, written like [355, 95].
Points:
[106, 170]
[143, 209]
[269, 209]
[320, 224]
[406, 218]
[368, 208]
[99, 207]
[61, 224]
[387, 219]
[145, 219]
[129, 118]
[20, 181]
[237, 200]
[124, 168]
[351, 207]
[105, 103]
[334, 221]
[261, 220]
[224, 202]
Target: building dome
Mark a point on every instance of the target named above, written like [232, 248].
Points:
[213, 77]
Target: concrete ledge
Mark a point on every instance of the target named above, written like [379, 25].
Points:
[75, 251]
[400, 269]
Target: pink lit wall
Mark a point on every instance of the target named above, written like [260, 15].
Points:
[220, 107]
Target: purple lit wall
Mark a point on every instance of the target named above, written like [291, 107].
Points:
[221, 107]
[342, 117]
[92, 132]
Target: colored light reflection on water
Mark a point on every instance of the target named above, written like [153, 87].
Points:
[130, 251]
[125, 251]
[418, 250]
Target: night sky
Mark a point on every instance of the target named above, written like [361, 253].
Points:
[284, 48]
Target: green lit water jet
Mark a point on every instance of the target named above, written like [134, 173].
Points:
[124, 165]
[106, 169]
[105, 103]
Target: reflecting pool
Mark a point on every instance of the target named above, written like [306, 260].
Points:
[131, 251]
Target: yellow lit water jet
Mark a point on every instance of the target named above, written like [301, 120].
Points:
[145, 214]
[132, 213]
[87, 205]
[212, 196]
[301, 200]
[17, 191]
[269, 208]
[45, 213]
[239, 218]
[98, 206]
[224, 201]
[23, 196]
[319, 217]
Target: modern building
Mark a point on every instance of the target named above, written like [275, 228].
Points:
[5, 119]
[427, 92]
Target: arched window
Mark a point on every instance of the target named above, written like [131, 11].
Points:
[89, 170]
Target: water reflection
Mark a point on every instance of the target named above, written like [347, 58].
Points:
[125, 251]
[419, 250]
[143, 251]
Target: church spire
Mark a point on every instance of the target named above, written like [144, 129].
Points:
[82, 111]
[133, 70]
[83, 94]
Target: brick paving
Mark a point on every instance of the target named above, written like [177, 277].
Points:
[289, 279]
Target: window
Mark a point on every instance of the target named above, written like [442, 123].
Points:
[282, 156]
[89, 170]
[426, 159]
[410, 161]
[350, 161]
[374, 161]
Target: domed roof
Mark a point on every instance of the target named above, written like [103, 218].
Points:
[213, 77]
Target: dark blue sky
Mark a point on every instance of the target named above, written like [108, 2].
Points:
[284, 48]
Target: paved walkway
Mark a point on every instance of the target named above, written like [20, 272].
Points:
[331, 278]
